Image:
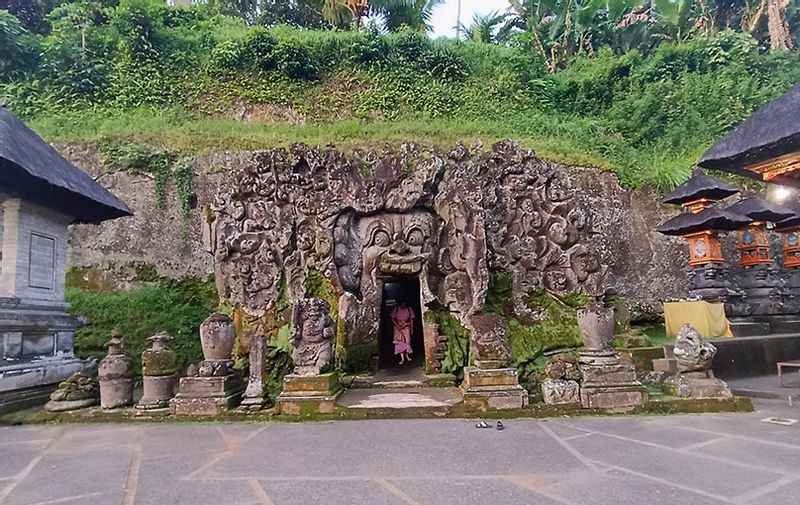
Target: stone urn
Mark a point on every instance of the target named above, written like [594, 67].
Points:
[115, 375]
[159, 367]
[596, 324]
[217, 335]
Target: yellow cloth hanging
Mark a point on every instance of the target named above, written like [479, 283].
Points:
[707, 318]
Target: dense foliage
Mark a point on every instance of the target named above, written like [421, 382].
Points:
[190, 81]
[177, 307]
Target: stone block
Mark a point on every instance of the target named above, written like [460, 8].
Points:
[560, 391]
[608, 374]
[207, 396]
[323, 383]
[477, 377]
[668, 365]
[615, 398]
[684, 386]
[494, 389]
[306, 404]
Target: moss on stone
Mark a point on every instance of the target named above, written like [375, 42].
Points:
[457, 353]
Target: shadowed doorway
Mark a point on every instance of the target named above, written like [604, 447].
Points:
[394, 291]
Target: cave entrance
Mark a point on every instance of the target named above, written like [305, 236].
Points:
[395, 291]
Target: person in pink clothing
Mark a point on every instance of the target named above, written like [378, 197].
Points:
[403, 322]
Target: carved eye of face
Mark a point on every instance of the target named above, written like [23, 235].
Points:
[415, 237]
[381, 239]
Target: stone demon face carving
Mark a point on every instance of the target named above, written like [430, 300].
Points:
[396, 244]
[383, 245]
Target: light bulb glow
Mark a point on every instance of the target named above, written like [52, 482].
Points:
[782, 193]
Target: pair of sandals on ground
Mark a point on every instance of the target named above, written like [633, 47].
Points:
[483, 424]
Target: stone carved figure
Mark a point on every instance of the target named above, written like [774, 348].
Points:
[560, 385]
[692, 353]
[313, 333]
[695, 379]
[444, 217]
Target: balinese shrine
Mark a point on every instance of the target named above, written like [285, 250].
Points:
[41, 195]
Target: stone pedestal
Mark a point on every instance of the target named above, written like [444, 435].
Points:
[207, 396]
[309, 394]
[608, 384]
[697, 385]
[493, 389]
[158, 391]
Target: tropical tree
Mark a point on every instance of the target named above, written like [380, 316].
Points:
[413, 14]
[18, 48]
[489, 28]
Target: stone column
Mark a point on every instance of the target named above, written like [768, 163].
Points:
[606, 382]
[254, 395]
[115, 375]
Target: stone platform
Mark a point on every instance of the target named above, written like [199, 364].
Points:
[207, 396]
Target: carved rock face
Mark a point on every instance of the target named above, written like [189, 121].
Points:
[447, 218]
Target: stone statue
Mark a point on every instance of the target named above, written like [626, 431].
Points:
[692, 353]
[313, 334]
[115, 375]
[695, 379]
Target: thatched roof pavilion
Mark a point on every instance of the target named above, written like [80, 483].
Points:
[765, 146]
[31, 169]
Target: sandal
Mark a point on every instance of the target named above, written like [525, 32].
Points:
[500, 426]
[482, 424]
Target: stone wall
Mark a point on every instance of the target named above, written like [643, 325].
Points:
[644, 267]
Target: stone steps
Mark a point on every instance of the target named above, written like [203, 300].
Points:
[410, 402]
[379, 381]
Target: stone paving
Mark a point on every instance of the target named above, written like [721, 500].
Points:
[697, 459]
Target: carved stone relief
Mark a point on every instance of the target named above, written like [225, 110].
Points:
[361, 218]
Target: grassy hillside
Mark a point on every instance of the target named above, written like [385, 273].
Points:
[194, 82]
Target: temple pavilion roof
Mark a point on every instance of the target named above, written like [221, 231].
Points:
[31, 169]
[771, 132]
[707, 219]
[760, 210]
[792, 222]
[700, 186]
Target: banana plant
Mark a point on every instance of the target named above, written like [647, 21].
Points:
[675, 19]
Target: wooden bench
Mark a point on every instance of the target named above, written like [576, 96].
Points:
[790, 364]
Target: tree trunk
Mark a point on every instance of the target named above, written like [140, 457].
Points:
[780, 38]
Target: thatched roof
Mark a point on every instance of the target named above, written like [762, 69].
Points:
[31, 169]
[772, 131]
[700, 186]
[760, 210]
[707, 219]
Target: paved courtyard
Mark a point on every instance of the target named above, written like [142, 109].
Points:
[697, 459]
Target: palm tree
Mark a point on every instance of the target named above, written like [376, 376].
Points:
[413, 14]
[486, 28]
